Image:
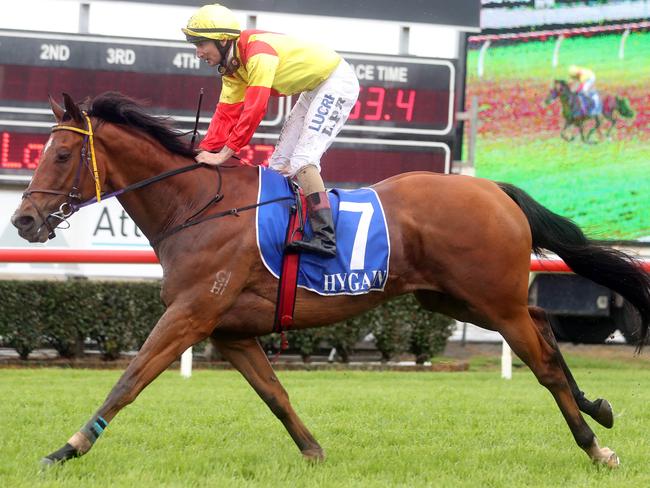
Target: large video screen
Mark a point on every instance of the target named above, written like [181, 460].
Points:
[601, 182]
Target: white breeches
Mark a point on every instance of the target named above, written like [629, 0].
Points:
[588, 85]
[315, 120]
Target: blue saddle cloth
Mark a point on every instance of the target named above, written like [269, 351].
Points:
[362, 241]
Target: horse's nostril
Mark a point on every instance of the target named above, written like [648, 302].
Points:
[23, 221]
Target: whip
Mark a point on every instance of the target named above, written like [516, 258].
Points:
[196, 121]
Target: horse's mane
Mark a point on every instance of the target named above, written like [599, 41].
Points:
[117, 108]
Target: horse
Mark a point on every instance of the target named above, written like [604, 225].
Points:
[574, 115]
[461, 245]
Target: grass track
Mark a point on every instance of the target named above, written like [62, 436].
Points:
[379, 429]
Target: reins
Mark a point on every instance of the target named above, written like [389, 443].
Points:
[233, 211]
[74, 202]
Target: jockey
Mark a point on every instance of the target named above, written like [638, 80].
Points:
[584, 80]
[255, 65]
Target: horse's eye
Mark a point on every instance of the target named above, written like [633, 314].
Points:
[62, 156]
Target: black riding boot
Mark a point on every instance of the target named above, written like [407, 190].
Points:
[323, 241]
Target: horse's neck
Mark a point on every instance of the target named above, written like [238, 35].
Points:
[132, 158]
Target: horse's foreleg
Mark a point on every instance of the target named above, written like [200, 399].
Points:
[527, 342]
[248, 358]
[582, 132]
[600, 409]
[596, 129]
[176, 330]
[563, 133]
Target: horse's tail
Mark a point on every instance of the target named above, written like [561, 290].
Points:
[606, 266]
[624, 108]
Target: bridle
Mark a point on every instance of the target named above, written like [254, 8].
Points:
[87, 158]
[74, 202]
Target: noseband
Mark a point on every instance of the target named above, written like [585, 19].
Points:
[71, 205]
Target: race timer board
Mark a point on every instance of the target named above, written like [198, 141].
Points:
[402, 121]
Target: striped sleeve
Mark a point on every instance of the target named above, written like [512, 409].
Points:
[226, 115]
[224, 119]
[261, 72]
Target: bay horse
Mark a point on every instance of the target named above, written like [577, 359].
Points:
[573, 113]
[462, 245]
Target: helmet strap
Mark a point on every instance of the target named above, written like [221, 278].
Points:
[229, 62]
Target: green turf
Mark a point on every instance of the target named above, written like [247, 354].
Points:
[379, 430]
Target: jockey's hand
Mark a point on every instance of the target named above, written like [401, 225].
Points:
[215, 159]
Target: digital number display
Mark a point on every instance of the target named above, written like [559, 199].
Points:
[414, 107]
[377, 107]
[20, 151]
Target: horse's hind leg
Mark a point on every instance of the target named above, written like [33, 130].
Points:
[527, 342]
[248, 357]
[600, 409]
[611, 127]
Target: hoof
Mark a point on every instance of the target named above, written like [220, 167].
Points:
[606, 457]
[613, 461]
[604, 414]
[314, 455]
[60, 456]
[610, 460]
[46, 462]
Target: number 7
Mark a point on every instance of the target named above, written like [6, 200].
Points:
[358, 258]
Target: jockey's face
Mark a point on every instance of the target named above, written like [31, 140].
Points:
[208, 52]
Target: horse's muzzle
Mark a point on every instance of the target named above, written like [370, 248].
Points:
[30, 227]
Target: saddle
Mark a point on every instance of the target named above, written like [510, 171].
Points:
[589, 104]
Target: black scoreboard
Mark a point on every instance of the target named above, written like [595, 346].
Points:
[403, 120]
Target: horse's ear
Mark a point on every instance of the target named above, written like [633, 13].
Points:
[57, 109]
[72, 109]
[85, 103]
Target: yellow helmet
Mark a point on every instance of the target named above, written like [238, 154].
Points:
[574, 70]
[212, 22]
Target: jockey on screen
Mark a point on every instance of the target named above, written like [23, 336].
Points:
[584, 80]
[256, 65]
